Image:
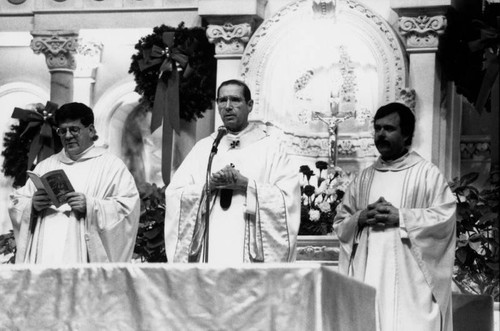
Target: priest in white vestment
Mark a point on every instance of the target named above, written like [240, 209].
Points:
[257, 219]
[396, 229]
[98, 222]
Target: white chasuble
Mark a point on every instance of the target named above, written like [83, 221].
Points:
[106, 233]
[411, 265]
[261, 224]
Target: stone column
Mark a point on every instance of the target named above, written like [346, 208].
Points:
[58, 48]
[88, 58]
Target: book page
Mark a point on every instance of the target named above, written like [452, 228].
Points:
[59, 184]
[36, 180]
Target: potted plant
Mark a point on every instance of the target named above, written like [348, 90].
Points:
[477, 251]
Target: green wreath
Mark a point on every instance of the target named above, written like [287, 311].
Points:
[18, 141]
[196, 90]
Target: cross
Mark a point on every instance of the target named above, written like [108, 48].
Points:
[235, 143]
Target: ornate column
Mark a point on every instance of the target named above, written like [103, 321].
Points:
[58, 48]
[420, 27]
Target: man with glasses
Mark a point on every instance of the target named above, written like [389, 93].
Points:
[98, 222]
[255, 206]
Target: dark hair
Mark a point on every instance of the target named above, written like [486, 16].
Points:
[75, 111]
[406, 118]
[246, 91]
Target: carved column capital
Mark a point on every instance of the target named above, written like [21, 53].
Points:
[422, 32]
[58, 48]
[229, 38]
[88, 57]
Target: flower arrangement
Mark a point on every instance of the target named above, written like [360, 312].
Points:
[7, 248]
[150, 240]
[320, 198]
[477, 252]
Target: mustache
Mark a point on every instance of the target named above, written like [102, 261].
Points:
[382, 141]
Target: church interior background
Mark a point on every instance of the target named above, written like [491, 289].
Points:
[306, 62]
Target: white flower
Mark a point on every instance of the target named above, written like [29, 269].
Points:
[324, 206]
[314, 215]
[322, 188]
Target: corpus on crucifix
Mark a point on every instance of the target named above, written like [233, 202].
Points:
[333, 120]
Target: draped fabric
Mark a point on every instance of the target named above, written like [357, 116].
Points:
[182, 297]
[106, 234]
[410, 266]
[262, 223]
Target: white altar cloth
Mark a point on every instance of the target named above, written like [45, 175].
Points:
[183, 297]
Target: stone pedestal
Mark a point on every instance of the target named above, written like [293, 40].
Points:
[58, 48]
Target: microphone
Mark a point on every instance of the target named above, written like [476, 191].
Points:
[222, 131]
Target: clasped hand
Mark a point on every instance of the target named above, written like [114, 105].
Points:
[381, 213]
[229, 178]
[77, 201]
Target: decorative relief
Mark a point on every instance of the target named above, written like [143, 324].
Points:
[324, 8]
[229, 38]
[259, 35]
[408, 96]
[475, 147]
[422, 31]
[88, 57]
[319, 146]
[58, 48]
[394, 68]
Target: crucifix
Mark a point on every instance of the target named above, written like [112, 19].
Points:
[333, 122]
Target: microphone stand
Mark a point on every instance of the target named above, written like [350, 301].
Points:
[207, 204]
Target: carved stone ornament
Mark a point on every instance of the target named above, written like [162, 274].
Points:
[88, 55]
[58, 48]
[475, 147]
[229, 38]
[408, 97]
[422, 31]
[318, 147]
[324, 8]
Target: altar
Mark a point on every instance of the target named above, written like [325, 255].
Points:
[183, 297]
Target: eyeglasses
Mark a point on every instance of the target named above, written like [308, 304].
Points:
[74, 130]
[225, 101]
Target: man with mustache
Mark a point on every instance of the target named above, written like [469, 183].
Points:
[396, 229]
[98, 222]
[255, 193]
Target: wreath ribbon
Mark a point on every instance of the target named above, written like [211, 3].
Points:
[166, 101]
[42, 120]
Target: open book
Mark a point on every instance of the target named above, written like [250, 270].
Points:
[55, 183]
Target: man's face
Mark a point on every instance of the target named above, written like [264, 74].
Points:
[389, 140]
[233, 108]
[75, 137]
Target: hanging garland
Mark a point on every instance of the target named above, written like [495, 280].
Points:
[197, 79]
